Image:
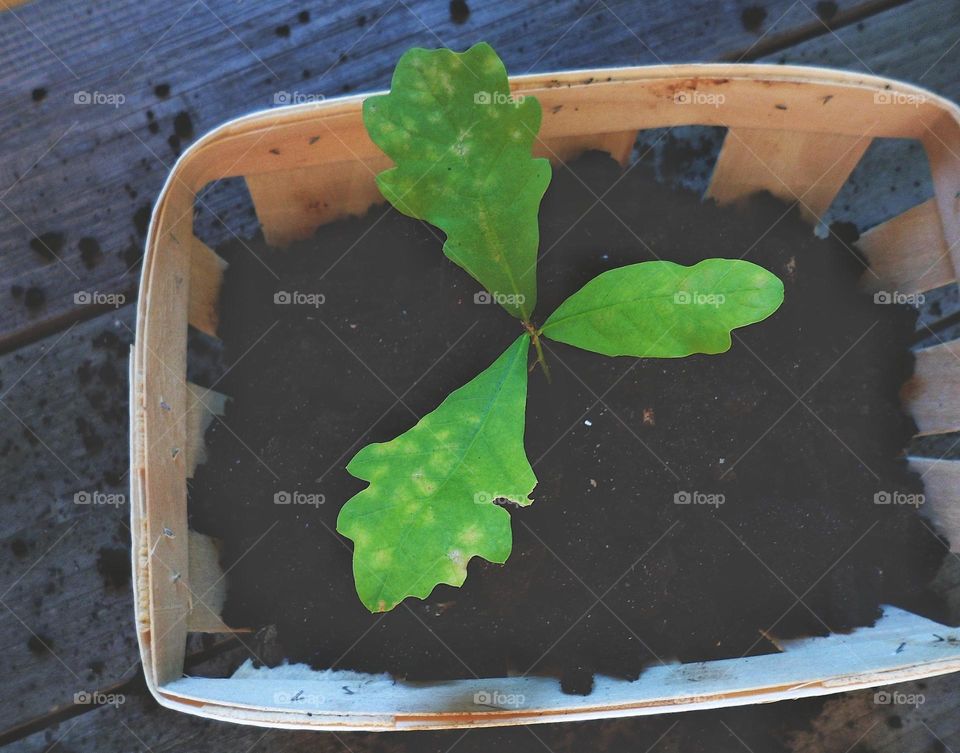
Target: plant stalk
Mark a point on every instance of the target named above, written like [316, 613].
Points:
[535, 337]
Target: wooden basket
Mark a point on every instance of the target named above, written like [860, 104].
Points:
[798, 132]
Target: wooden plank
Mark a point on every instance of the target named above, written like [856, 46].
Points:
[293, 203]
[809, 168]
[65, 571]
[942, 142]
[61, 557]
[206, 275]
[908, 253]
[932, 395]
[941, 479]
[202, 405]
[160, 409]
[617, 145]
[208, 587]
[98, 167]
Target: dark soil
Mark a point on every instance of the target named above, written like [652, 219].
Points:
[798, 427]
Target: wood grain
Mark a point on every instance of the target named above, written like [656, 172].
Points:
[908, 253]
[93, 171]
[806, 168]
[64, 434]
[932, 395]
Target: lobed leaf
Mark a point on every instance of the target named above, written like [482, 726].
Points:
[659, 309]
[462, 145]
[429, 506]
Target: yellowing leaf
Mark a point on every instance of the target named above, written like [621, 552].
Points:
[461, 144]
[429, 506]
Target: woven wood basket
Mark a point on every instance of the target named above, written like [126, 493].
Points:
[798, 132]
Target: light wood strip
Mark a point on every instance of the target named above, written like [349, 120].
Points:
[160, 354]
[908, 253]
[782, 98]
[941, 481]
[293, 203]
[810, 168]
[202, 406]
[206, 276]
[567, 148]
[932, 395]
[208, 586]
[941, 139]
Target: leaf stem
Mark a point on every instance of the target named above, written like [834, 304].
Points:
[535, 337]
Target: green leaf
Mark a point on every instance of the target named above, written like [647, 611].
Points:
[429, 506]
[462, 145]
[658, 309]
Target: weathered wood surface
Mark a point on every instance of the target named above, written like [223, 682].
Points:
[65, 572]
[77, 171]
[85, 170]
[65, 599]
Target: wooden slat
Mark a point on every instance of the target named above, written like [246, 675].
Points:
[932, 395]
[941, 481]
[806, 167]
[64, 568]
[160, 362]
[293, 203]
[908, 253]
[206, 276]
[208, 586]
[202, 406]
[564, 149]
[942, 143]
